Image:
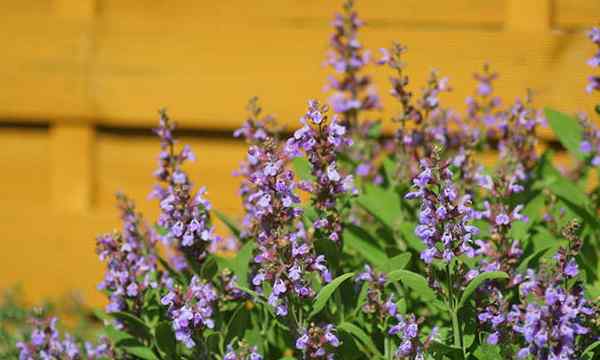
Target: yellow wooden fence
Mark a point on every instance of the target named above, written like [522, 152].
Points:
[75, 75]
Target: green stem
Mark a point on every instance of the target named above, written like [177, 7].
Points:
[453, 311]
[456, 329]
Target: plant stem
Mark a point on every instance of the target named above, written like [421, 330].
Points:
[456, 329]
[452, 308]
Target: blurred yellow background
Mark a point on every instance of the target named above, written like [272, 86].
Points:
[81, 81]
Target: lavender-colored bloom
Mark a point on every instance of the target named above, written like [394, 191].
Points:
[353, 92]
[376, 304]
[285, 255]
[318, 341]
[46, 343]
[242, 351]
[444, 218]
[549, 316]
[184, 219]
[407, 330]
[571, 268]
[321, 140]
[130, 259]
[191, 310]
[590, 144]
[594, 81]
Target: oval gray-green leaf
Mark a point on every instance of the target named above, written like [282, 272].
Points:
[414, 281]
[141, 352]
[478, 280]
[361, 335]
[165, 339]
[398, 262]
[361, 241]
[326, 293]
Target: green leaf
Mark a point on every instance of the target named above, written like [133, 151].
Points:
[568, 131]
[361, 241]
[487, 352]
[396, 263]
[478, 280]
[407, 230]
[533, 259]
[101, 315]
[383, 204]
[241, 263]
[174, 274]
[302, 168]
[590, 349]
[116, 336]
[561, 186]
[414, 281]
[231, 225]
[449, 350]
[133, 325]
[361, 335]
[533, 210]
[141, 352]
[165, 339]
[326, 292]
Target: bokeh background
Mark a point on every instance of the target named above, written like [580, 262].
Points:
[81, 82]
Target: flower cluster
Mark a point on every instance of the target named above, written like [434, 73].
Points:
[444, 216]
[257, 131]
[594, 81]
[191, 310]
[229, 286]
[242, 351]
[590, 144]
[46, 343]
[483, 107]
[318, 342]
[285, 256]
[184, 218]
[552, 311]
[321, 140]
[407, 329]
[375, 304]
[353, 92]
[422, 122]
[130, 259]
[517, 138]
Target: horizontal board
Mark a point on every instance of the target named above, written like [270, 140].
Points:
[303, 13]
[132, 174]
[25, 163]
[138, 67]
[576, 13]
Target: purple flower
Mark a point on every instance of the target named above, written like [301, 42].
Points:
[444, 218]
[407, 329]
[242, 351]
[571, 269]
[321, 142]
[318, 342]
[192, 310]
[130, 258]
[46, 343]
[184, 219]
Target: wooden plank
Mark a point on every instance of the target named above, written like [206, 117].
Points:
[310, 13]
[72, 169]
[132, 174]
[206, 80]
[25, 163]
[529, 15]
[576, 14]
